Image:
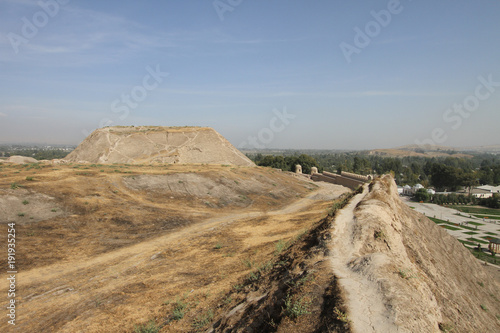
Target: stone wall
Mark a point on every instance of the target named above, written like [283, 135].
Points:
[337, 179]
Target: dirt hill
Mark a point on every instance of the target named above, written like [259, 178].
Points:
[377, 266]
[144, 145]
[21, 160]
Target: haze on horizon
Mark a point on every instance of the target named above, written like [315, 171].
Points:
[280, 74]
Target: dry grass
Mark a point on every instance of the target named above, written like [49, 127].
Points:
[116, 258]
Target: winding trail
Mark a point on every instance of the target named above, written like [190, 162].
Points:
[367, 311]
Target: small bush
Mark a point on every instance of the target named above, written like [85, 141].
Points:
[180, 309]
[341, 316]
[295, 309]
[25, 202]
[28, 178]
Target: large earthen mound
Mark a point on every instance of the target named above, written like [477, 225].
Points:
[21, 160]
[145, 145]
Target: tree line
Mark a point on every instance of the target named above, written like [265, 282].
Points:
[444, 174]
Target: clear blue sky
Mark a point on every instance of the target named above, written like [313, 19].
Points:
[73, 72]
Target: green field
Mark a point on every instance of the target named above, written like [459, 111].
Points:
[467, 242]
[475, 223]
[477, 210]
[488, 217]
[449, 227]
[478, 240]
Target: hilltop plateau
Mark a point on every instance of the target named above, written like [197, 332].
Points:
[154, 144]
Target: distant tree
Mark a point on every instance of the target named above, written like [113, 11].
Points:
[306, 161]
[422, 195]
[468, 180]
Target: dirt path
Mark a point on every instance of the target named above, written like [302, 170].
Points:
[364, 299]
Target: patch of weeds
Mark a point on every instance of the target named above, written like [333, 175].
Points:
[480, 283]
[180, 309]
[229, 254]
[484, 307]
[236, 182]
[238, 287]
[248, 263]
[53, 210]
[147, 328]
[341, 316]
[253, 276]
[379, 234]
[218, 246]
[446, 327]
[406, 274]
[20, 214]
[297, 308]
[498, 317]
[14, 186]
[203, 320]
[265, 267]
[26, 202]
[28, 178]
[280, 246]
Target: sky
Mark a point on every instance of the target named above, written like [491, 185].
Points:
[321, 74]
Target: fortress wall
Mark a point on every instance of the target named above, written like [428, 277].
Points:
[336, 179]
[355, 176]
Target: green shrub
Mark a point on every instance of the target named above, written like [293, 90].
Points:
[297, 308]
